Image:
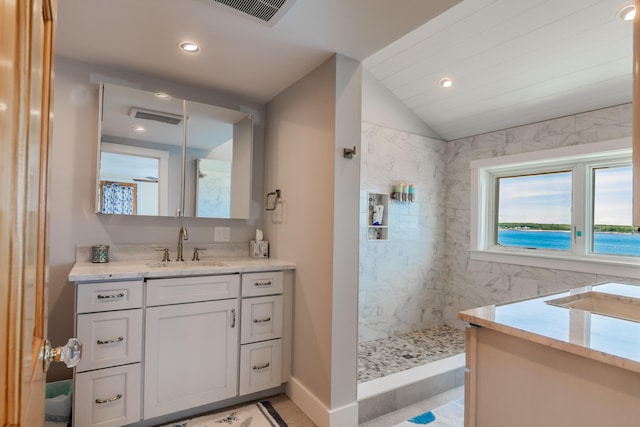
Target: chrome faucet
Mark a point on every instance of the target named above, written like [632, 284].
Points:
[182, 234]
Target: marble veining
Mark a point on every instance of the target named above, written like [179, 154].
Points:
[140, 261]
[477, 283]
[401, 280]
[387, 356]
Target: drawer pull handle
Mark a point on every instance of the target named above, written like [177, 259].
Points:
[112, 341]
[233, 317]
[112, 296]
[262, 284]
[111, 399]
[265, 366]
[268, 319]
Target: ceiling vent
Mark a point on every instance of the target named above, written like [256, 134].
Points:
[158, 116]
[268, 12]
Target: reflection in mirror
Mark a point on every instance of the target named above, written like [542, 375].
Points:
[146, 169]
[217, 162]
[148, 192]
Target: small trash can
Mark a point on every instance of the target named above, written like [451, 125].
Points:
[58, 401]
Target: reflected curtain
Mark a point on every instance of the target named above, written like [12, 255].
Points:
[118, 198]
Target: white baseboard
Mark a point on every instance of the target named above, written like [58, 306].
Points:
[314, 408]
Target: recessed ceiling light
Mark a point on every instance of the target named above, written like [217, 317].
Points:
[189, 47]
[446, 82]
[163, 95]
[627, 13]
[139, 128]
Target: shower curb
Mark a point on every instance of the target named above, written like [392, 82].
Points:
[388, 394]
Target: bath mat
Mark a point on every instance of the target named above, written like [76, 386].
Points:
[260, 414]
[447, 415]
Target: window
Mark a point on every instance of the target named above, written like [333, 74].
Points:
[534, 211]
[570, 204]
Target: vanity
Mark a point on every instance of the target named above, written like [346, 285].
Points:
[568, 359]
[168, 340]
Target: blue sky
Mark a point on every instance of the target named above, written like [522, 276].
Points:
[547, 198]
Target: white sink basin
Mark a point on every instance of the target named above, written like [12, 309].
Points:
[602, 303]
[185, 264]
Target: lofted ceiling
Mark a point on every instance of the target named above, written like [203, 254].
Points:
[512, 61]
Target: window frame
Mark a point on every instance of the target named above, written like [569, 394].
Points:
[580, 160]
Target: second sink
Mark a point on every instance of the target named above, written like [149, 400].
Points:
[602, 303]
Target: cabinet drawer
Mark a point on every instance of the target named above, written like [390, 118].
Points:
[109, 339]
[192, 289]
[265, 283]
[260, 366]
[105, 296]
[107, 397]
[261, 319]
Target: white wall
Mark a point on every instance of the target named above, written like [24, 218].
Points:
[382, 107]
[72, 181]
[473, 283]
[307, 125]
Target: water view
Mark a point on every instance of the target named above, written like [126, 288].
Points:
[604, 243]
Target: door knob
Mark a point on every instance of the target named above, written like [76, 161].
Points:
[70, 353]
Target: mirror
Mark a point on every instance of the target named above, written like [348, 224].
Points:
[153, 161]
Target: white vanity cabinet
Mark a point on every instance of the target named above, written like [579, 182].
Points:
[107, 379]
[191, 342]
[261, 332]
[181, 343]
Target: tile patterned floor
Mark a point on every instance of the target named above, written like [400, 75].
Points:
[386, 356]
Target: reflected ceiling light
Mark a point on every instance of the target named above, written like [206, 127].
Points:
[627, 13]
[3, 106]
[189, 47]
[446, 82]
[162, 95]
[139, 128]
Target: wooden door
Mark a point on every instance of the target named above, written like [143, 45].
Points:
[26, 31]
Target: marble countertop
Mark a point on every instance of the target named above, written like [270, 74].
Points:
[607, 339]
[137, 269]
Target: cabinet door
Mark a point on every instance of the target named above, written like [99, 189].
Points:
[191, 355]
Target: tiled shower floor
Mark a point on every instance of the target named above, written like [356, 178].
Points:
[386, 356]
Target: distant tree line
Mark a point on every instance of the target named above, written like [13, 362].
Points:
[533, 226]
[599, 228]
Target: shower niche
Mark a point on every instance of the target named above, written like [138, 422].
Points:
[378, 216]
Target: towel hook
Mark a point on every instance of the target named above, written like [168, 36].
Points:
[349, 152]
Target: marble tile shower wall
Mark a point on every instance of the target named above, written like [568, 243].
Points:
[402, 279]
[473, 283]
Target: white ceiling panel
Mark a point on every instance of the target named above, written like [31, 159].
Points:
[512, 61]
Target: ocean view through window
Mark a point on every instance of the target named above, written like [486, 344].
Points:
[571, 204]
[534, 211]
